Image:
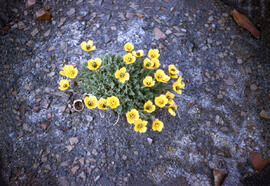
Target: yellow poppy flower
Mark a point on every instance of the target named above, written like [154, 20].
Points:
[173, 71]
[157, 125]
[129, 58]
[113, 102]
[132, 116]
[153, 53]
[165, 79]
[177, 86]
[172, 108]
[179, 79]
[102, 104]
[160, 75]
[88, 46]
[169, 96]
[161, 101]
[121, 75]
[147, 63]
[149, 107]
[128, 47]
[69, 71]
[138, 53]
[140, 126]
[94, 64]
[90, 102]
[156, 63]
[64, 84]
[148, 81]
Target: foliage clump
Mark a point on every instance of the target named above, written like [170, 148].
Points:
[129, 85]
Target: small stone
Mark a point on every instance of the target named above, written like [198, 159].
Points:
[211, 18]
[51, 48]
[44, 125]
[239, 61]
[179, 34]
[82, 176]
[63, 181]
[36, 108]
[124, 157]
[159, 34]
[71, 12]
[107, 39]
[129, 15]
[45, 104]
[168, 32]
[94, 152]
[81, 160]
[253, 87]
[204, 48]
[49, 116]
[113, 28]
[43, 14]
[73, 140]
[34, 32]
[21, 25]
[219, 96]
[219, 177]
[97, 178]
[265, 114]
[62, 21]
[229, 81]
[183, 30]
[64, 164]
[69, 148]
[136, 153]
[74, 169]
[30, 3]
[47, 33]
[27, 128]
[150, 141]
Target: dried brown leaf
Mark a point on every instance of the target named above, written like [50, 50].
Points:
[244, 22]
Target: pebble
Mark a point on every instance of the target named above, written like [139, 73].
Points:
[73, 140]
[36, 108]
[229, 81]
[253, 87]
[239, 61]
[94, 152]
[47, 33]
[51, 48]
[30, 3]
[27, 128]
[34, 32]
[211, 18]
[44, 125]
[45, 104]
[74, 169]
[82, 176]
[69, 148]
[179, 34]
[63, 181]
[168, 32]
[124, 157]
[81, 160]
[49, 116]
[62, 21]
[150, 141]
[71, 12]
[159, 34]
